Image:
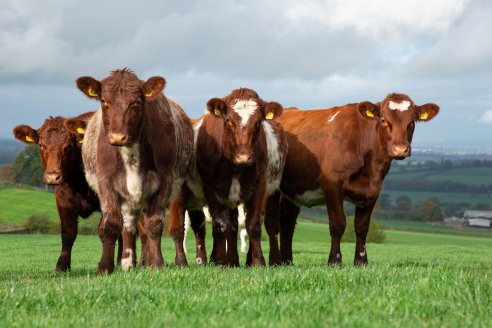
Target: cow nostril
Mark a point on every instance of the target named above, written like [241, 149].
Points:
[117, 138]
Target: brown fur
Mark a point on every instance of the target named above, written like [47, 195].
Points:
[135, 115]
[227, 151]
[345, 153]
[61, 159]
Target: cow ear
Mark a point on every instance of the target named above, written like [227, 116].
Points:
[217, 107]
[77, 126]
[153, 87]
[426, 112]
[272, 110]
[90, 87]
[26, 134]
[368, 110]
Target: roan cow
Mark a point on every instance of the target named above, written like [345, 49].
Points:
[240, 154]
[136, 152]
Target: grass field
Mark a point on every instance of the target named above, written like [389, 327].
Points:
[456, 197]
[469, 175]
[414, 279]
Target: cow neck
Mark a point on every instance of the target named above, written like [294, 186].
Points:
[382, 159]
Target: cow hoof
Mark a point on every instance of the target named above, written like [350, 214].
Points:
[62, 265]
[201, 260]
[105, 268]
[360, 261]
[181, 261]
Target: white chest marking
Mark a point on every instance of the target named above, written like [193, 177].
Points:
[235, 191]
[131, 160]
[245, 108]
[274, 159]
[333, 117]
[402, 106]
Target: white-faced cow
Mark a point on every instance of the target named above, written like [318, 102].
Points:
[136, 153]
[240, 154]
[61, 158]
[342, 153]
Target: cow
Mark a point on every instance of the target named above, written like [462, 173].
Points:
[341, 153]
[239, 158]
[61, 158]
[136, 152]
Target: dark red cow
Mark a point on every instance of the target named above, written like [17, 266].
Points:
[61, 157]
[240, 154]
[136, 153]
[342, 153]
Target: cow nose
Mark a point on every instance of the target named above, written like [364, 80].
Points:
[53, 178]
[401, 151]
[243, 158]
[117, 139]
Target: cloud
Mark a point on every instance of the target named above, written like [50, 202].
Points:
[486, 117]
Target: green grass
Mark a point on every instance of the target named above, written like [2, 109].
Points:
[414, 280]
[457, 197]
[428, 227]
[17, 204]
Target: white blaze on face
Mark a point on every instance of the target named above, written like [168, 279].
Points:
[245, 108]
[401, 106]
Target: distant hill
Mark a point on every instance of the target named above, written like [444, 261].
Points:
[9, 149]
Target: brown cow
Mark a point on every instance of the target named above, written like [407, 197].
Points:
[342, 153]
[61, 158]
[136, 153]
[240, 154]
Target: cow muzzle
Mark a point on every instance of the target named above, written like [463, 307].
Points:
[53, 178]
[243, 159]
[400, 151]
[118, 139]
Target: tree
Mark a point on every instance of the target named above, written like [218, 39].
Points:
[28, 168]
[430, 211]
[384, 201]
[403, 203]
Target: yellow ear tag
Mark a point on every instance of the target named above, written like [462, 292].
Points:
[269, 116]
[30, 139]
[80, 131]
[424, 116]
[369, 113]
[81, 141]
[91, 92]
[149, 94]
[217, 112]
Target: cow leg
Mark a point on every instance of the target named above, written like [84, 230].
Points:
[177, 227]
[197, 220]
[272, 226]
[154, 227]
[361, 223]
[110, 229]
[232, 254]
[120, 250]
[220, 229]
[130, 215]
[288, 218]
[254, 210]
[337, 221]
[142, 233]
[68, 221]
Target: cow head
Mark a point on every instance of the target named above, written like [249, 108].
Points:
[123, 97]
[59, 149]
[397, 115]
[242, 114]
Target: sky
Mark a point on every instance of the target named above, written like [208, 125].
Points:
[307, 54]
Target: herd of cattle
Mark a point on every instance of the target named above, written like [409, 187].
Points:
[139, 154]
